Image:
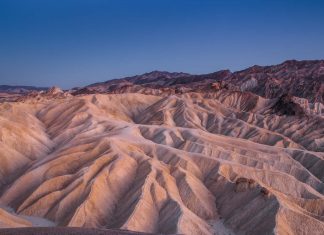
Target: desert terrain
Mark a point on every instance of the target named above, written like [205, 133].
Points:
[224, 153]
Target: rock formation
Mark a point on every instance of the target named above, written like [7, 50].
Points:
[165, 159]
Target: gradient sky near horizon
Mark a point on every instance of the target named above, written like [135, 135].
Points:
[77, 42]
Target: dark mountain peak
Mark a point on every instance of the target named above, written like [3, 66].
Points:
[153, 75]
[291, 64]
[252, 69]
[222, 73]
[301, 62]
[163, 73]
[226, 72]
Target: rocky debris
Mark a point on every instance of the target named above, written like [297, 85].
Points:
[265, 192]
[54, 91]
[286, 106]
[243, 184]
[51, 93]
[217, 86]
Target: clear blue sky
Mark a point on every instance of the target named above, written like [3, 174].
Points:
[76, 42]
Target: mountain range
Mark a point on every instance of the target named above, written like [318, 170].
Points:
[304, 79]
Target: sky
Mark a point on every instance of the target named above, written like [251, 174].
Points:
[71, 43]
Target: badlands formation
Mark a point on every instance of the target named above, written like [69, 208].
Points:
[219, 161]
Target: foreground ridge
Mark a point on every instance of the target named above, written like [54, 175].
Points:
[65, 230]
[197, 163]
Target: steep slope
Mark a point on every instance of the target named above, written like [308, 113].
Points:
[194, 163]
[304, 79]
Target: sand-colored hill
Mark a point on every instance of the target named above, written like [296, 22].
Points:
[66, 231]
[220, 163]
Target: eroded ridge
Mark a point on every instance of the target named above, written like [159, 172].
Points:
[220, 163]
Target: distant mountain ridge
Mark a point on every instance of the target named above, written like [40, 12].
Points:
[20, 89]
[304, 79]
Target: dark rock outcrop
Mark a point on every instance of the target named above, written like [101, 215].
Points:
[286, 106]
